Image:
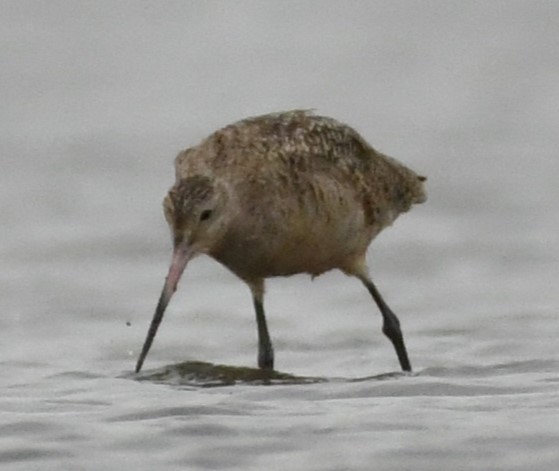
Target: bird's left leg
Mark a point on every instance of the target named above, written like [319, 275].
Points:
[265, 349]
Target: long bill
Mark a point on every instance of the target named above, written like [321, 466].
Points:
[181, 255]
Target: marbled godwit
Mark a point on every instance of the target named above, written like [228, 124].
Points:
[281, 194]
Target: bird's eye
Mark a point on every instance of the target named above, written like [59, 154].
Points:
[205, 215]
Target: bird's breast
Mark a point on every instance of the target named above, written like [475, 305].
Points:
[283, 243]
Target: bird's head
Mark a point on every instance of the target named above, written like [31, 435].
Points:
[194, 210]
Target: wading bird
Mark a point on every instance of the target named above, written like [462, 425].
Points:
[281, 194]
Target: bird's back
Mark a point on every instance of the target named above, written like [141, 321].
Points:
[308, 184]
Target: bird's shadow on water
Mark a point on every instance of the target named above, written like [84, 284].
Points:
[208, 375]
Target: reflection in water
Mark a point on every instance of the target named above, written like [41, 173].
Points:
[205, 375]
[202, 374]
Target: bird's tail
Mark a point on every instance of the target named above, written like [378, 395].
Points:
[419, 193]
[410, 186]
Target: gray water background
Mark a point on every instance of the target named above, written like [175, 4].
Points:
[96, 100]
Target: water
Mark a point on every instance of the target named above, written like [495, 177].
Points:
[97, 98]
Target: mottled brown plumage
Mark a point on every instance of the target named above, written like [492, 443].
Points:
[281, 194]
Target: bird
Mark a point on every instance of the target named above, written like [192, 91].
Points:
[281, 194]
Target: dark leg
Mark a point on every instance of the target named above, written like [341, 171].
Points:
[265, 349]
[391, 324]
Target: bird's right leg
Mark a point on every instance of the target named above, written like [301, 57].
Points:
[265, 349]
[391, 324]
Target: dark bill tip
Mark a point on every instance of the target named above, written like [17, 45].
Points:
[157, 317]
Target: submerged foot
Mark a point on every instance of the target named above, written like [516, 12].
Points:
[266, 359]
